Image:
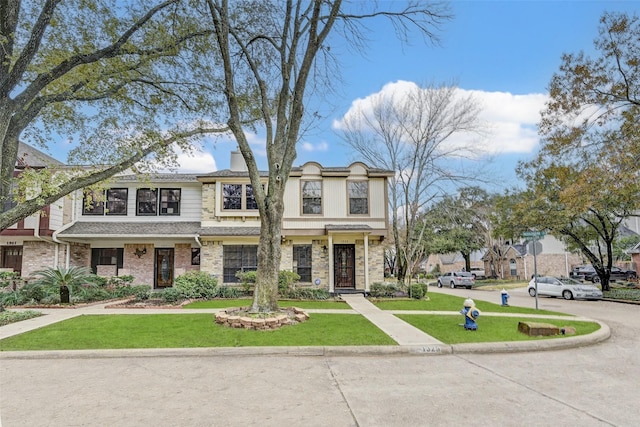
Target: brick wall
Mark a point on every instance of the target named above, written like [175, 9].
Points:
[37, 255]
[142, 268]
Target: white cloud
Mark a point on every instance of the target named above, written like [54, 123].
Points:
[509, 121]
[308, 146]
[197, 162]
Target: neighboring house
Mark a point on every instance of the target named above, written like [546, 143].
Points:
[28, 245]
[451, 262]
[517, 261]
[335, 220]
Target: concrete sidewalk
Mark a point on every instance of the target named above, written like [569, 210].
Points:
[401, 332]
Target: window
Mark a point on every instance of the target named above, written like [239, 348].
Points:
[302, 262]
[238, 258]
[312, 197]
[251, 198]
[146, 201]
[116, 201]
[113, 201]
[195, 256]
[93, 203]
[232, 196]
[358, 198]
[238, 197]
[10, 202]
[170, 201]
[106, 256]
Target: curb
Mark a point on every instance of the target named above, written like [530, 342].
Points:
[596, 337]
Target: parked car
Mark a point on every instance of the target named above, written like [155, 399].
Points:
[564, 287]
[457, 279]
[478, 273]
[588, 273]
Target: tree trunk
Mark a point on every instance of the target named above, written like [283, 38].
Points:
[265, 295]
[64, 295]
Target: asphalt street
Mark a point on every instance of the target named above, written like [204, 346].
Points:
[596, 385]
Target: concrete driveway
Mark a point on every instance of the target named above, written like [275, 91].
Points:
[591, 386]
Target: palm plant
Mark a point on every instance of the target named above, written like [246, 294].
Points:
[68, 280]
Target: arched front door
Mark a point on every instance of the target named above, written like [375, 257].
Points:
[344, 266]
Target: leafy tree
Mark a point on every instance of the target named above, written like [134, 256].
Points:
[409, 133]
[120, 79]
[274, 51]
[68, 280]
[583, 183]
[459, 224]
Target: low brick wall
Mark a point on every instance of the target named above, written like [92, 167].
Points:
[238, 318]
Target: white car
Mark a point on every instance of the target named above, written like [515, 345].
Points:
[563, 287]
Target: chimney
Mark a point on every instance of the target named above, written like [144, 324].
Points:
[237, 162]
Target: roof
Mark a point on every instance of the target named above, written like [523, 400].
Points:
[131, 229]
[230, 231]
[348, 227]
[159, 177]
[29, 156]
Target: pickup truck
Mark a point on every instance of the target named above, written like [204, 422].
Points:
[478, 273]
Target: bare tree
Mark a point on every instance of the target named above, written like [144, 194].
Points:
[273, 55]
[410, 133]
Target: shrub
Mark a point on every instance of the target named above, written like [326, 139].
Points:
[120, 281]
[171, 295]
[248, 280]
[141, 292]
[7, 317]
[307, 293]
[12, 298]
[8, 279]
[196, 284]
[286, 279]
[416, 290]
[228, 292]
[383, 290]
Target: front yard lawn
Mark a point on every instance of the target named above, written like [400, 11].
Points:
[444, 302]
[447, 329]
[192, 330]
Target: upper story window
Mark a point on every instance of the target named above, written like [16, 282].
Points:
[312, 197]
[358, 197]
[112, 202]
[169, 201]
[148, 202]
[238, 197]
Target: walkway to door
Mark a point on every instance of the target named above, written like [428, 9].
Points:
[402, 332]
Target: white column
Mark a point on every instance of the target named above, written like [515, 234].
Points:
[366, 263]
[331, 275]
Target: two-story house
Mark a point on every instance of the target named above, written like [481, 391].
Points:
[27, 245]
[335, 220]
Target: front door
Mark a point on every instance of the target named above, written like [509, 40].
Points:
[344, 266]
[12, 258]
[164, 268]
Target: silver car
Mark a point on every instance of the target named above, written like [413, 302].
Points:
[563, 287]
[456, 279]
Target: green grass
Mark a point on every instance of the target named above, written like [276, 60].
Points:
[447, 329]
[224, 303]
[192, 330]
[444, 302]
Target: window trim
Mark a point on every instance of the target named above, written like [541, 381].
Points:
[179, 202]
[107, 211]
[367, 213]
[97, 201]
[295, 260]
[243, 257]
[243, 197]
[302, 198]
[154, 191]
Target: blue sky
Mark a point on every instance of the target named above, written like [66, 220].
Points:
[504, 52]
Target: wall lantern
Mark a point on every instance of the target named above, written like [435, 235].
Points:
[139, 252]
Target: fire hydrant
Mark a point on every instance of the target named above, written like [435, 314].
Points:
[470, 313]
[505, 298]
